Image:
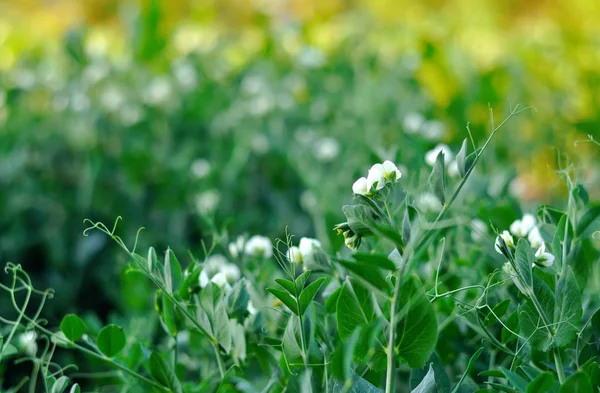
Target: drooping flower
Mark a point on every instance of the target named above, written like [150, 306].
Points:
[259, 246]
[360, 186]
[522, 227]
[543, 258]
[504, 238]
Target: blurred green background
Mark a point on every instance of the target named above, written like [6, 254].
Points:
[188, 116]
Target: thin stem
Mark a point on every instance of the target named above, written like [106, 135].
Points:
[219, 359]
[391, 361]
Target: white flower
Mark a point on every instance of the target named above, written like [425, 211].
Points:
[203, 279]
[428, 202]
[221, 280]
[231, 272]
[478, 229]
[207, 201]
[376, 177]
[508, 240]
[433, 130]
[432, 154]
[535, 238]
[259, 246]
[544, 258]
[412, 122]
[236, 248]
[391, 171]
[308, 247]
[294, 255]
[200, 168]
[27, 342]
[213, 265]
[326, 149]
[453, 169]
[360, 186]
[508, 269]
[251, 309]
[523, 226]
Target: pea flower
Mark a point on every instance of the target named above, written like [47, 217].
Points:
[259, 246]
[231, 272]
[221, 280]
[308, 247]
[510, 271]
[360, 187]
[522, 227]
[27, 343]
[543, 258]
[294, 255]
[504, 238]
[432, 154]
[237, 247]
[379, 175]
[218, 265]
[535, 238]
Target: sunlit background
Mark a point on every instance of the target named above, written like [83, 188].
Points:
[247, 117]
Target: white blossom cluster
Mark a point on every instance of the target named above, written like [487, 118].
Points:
[379, 175]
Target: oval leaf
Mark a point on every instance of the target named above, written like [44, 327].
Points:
[111, 340]
[73, 327]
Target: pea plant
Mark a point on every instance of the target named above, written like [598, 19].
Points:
[417, 301]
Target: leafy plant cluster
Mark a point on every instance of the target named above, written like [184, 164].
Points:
[425, 297]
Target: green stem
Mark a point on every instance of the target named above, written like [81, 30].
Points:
[391, 360]
[219, 359]
[559, 366]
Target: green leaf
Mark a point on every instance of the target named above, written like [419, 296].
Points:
[168, 316]
[285, 298]
[524, 260]
[73, 327]
[292, 341]
[60, 385]
[75, 389]
[360, 218]
[301, 281]
[442, 382]
[350, 313]
[471, 159]
[515, 379]
[163, 374]
[370, 274]
[152, 260]
[568, 310]
[111, 340]
[211, 301]
[341, 361]
[584, 225]
[417, 328]
[172, 271]
[427, 385]
[577, 383]
[437, 179]
[542, 383]
[237, 300]
[531, 323]
[331, 303]
[512, 323]
[470, 364]
[287, 285]
[308, 294]
[461, 159]
[357, 385]
[375, 260]
[366, 347]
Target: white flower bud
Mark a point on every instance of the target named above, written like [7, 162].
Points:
[360, 186]
[535, 238]
[543, 258]
[508, 240]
